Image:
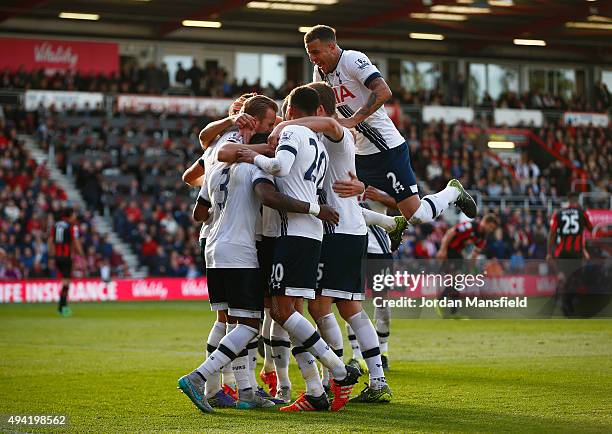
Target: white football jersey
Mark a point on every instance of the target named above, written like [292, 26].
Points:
[378, 239]
[209, 159]
[234, 208]
[270, 220]
[304, 179]
[350, 81]
[341, 161]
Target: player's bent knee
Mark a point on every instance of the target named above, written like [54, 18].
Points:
[348, 308]
[409, 205]
[319, 307]
[280, 313]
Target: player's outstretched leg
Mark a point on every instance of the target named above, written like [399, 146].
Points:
[214, 393]
[432, 205]
[382, 321]
[377, 390]
[232, 344]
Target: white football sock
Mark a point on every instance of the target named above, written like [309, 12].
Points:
[279, 341]
[375, 218]
[328, 328]
[300, 330]
[266, 333]
[330, 331]
[252, 355]
[368, 342]
[382, 319]
[240, 365]
[229, 347]
[353, 341]
[228, 373]
[213, 384]
[308, 367]
[433, 205]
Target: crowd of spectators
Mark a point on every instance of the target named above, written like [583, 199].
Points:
[441, 151]
[30, 205]
[214, 81]
[133, 173]
[545, 101]
[211, 81]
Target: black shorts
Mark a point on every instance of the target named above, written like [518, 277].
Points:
[341, 266]
[236, 290]
[64, 267]
[389, 171]
[265, 256]
[294, 269]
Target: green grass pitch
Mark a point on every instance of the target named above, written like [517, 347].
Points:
[113, 368]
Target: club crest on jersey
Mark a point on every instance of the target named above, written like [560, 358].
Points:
[342, 93]
[235, 137]
[286, 135]
[362, 63]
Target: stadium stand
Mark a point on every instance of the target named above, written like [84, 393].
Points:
[30, 204]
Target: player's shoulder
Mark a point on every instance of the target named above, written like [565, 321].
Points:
[296, 132]
[356, 59]
[230, 135]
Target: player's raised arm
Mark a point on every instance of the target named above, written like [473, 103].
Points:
[215, 128]
[281, 164]
[228, 152]
[320, 124]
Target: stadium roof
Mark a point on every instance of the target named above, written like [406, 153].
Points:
[466, 26]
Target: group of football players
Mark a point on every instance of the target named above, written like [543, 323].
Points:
[286, 217]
